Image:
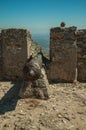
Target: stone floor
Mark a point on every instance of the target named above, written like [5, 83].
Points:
[64, 110]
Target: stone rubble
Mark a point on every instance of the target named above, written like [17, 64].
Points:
[64, 110]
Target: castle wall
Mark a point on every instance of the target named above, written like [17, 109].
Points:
[15, 51]
[67, 53]
[63, 54]
[0, 56]
[81, 55]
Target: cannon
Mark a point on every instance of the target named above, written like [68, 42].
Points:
[35, 81]
[32, 68]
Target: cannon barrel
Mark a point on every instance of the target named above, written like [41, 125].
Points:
[32, 69]
[35, 81]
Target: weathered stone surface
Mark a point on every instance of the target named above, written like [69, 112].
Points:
[59, 37]
[63, 54]
[81, 55]
[16, 46]
[0, 56]
[16, 50]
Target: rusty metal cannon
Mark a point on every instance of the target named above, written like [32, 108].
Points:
[32, 68]
[35, 83]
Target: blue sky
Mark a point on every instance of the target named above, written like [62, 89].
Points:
[40, 15]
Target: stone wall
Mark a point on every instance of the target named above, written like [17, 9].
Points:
[15, 46]
[81, 55]
[63, 54]
[67, 55]
[0, 56]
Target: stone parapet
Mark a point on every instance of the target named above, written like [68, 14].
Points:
[81, 55]
[63, 54]
[15, 51]
[67, 53]
[0, 56]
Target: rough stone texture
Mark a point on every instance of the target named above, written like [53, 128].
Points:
[16, 46]
[63, 54]
[81, 55]
[16, 50]
[0, 56]
[64, 110]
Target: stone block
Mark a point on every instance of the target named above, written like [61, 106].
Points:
[81, 55]
[1, 63]
[63, 66]
[16, 50]
[63, 55]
